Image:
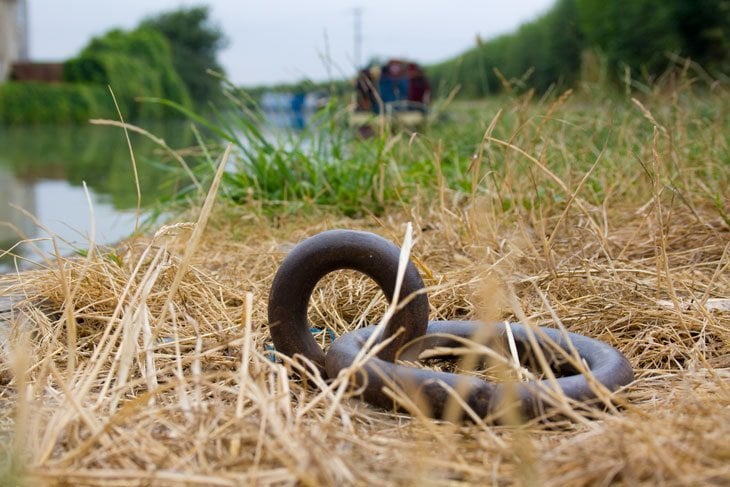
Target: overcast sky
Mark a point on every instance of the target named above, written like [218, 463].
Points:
[287, 40]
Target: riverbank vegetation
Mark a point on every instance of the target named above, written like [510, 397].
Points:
[326, 166]
[35, 103]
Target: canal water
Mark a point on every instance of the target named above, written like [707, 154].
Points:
[42, 172]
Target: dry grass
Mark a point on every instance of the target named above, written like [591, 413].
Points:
[169, 379]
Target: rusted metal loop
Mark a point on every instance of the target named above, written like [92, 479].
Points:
[333, 250]
[431, 390]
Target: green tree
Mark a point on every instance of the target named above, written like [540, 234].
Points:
[563, 44]
[634, 33]
[195, 42]
[548, 49]
[705, 27]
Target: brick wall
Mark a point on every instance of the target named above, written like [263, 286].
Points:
[44, 72]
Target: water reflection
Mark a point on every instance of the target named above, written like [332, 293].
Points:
[292, 111]
[15, 192]
[42, 170]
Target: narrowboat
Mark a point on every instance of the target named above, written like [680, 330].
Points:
[398, 91]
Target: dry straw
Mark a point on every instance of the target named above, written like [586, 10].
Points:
[172, 379]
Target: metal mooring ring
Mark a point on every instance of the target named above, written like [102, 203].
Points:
[333, 250]
[431, 390]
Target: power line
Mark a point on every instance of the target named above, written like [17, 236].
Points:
[357, 54]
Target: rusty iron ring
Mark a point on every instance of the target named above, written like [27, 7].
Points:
[333, 250]
[429, 389]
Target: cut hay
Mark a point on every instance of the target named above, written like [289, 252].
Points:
[197, 399]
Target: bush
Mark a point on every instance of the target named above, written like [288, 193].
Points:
[35, 103]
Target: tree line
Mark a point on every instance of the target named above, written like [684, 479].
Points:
[636, 35]
[167, 56]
